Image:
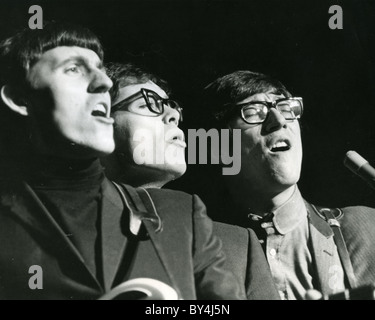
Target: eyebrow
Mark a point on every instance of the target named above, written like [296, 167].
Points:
[80, 60]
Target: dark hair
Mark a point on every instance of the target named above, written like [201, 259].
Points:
[124, 74]
[21, 51]
[225, 91]
[18, 54]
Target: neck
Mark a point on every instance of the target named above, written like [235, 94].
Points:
[249, 198]
[143, 184]
[134, 175]
[51, 171]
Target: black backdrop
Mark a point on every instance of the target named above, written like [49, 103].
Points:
[189, 43]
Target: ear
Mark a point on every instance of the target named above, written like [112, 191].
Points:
[15, 103]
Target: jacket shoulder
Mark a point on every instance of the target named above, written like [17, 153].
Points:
[235, 240]
[246, 259]
[360, 217]
[175, 206]
[170, 200]
[232, 233]
[169, 195]
[362, 210]
[358, 228]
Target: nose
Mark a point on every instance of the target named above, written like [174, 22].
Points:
[171, 115]
[100, 82]
[275, 121]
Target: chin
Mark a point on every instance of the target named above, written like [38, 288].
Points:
[179, 172]
[102, 150]
[289, 180]
[179, 168]
[170, 173]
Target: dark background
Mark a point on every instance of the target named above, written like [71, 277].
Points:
[190, 43]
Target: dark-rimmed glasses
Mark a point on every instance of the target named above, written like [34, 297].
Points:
[154, 104]
[255, 112]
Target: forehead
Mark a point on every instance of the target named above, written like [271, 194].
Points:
[54, 58]
[266, 96]
[129, 90]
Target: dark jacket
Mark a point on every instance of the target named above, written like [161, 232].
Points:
[185, 254]
[357, 224]
[245, 257]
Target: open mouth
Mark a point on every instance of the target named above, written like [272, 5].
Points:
[280, 146]
[100, 110]
[101, 113]
[178, 139]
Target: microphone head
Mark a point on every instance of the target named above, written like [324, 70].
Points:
[353, 161]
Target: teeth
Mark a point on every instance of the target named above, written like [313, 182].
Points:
[100, 108]
[280, 144]
[100, 111]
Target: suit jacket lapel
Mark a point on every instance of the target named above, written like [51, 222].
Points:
[154, 226]
[158, 243]
[113, 237]
[113, 258]
[26, 206]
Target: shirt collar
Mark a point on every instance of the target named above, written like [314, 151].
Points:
[288, 215]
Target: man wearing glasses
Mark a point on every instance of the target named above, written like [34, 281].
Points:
[170, 231]
[66, 231]
[150, 147]
[141, 105]
[302, 242]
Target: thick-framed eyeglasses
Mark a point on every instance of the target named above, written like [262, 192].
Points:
[255, 112]
[153, 104]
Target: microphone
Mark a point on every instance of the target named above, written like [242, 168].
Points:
[361, 167]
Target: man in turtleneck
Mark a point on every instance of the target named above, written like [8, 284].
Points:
[59, 215]
[56, 124]
[296, 236]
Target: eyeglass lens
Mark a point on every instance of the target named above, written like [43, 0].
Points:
[257, 112]
[157, 103]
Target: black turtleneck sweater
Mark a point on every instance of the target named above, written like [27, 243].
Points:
[71, 191]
